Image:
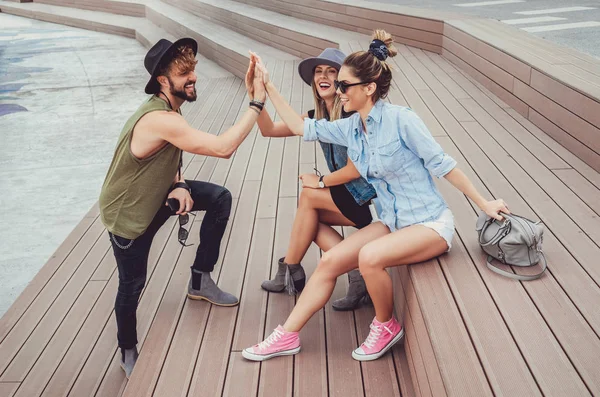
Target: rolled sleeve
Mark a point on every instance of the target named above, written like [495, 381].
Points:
[336, 132]
[420, 141]
[440, 165]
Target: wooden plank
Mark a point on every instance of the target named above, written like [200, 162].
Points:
[63, 376]
[584, 189]
[500, 58]
[581, 105]
[8, 389]
[544, 154]
[425, 371]
[310, 367]
[569, 142]
[543, 136]
[252, 313]
[574, 291]
[465, 376]
[277, 378]
[242, 377]
[577, 127]
[209, 374]
[402, 369]
[345, 375]
[35, 286]
[506, 96]
[537, 342]
[51, 355]
[36, 327]
[277, 374]
[491, 71]
[504, 366]
[564, 198]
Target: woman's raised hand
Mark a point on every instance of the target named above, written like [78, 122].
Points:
[249, 80]
[260, 66]
[260, 93]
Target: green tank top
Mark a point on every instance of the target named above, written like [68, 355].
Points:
[134, 189]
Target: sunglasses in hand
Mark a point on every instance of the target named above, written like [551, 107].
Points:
[183, 234]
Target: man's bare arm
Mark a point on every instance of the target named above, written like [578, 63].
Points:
[173, 128]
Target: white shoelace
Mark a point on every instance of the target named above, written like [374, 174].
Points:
[274, 337]
[375, 334]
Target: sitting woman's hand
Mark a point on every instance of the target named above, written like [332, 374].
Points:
[249, 80]
[260, 65]
[494, 208]
[260, 92]
[309, 180]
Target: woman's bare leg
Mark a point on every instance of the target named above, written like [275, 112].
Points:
[338, 260]
[410, 245]
[306, 222]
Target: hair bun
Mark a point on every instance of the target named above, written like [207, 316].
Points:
[379, 49]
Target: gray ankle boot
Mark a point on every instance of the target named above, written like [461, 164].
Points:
[288, 277]
[128, 359]
[357, 291]
[210, 292]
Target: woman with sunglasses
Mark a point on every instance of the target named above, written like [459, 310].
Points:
[394, 151]
[341, 198]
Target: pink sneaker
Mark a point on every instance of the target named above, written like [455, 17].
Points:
[279, 343]
[381, 339]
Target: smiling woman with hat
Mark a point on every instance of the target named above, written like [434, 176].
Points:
[144, 185]
[341, 198]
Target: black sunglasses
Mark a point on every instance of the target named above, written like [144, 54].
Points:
[343, 86]
[183, 234]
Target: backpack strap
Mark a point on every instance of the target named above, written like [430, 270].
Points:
[517, 276]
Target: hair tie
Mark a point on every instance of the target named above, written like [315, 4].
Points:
[379, 49]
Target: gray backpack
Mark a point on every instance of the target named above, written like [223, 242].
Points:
[514, 241]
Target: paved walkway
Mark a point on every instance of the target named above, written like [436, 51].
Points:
[64, 94]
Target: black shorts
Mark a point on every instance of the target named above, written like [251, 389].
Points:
[359, 214]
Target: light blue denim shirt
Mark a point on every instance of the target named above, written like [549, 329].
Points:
[398, 159]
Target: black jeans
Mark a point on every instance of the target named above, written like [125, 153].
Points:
[132, 257]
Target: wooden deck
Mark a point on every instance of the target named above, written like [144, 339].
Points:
[469, 332]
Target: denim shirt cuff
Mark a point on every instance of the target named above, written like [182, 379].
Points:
[445, 166]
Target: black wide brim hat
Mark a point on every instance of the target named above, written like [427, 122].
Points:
[330, 56]
[161, 53]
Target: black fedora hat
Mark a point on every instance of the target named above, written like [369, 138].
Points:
[162, 52]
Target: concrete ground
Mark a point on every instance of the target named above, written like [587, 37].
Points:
[563, 22]
[65, 94]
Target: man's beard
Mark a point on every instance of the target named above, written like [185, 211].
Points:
[181, 93]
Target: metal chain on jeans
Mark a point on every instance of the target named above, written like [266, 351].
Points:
[123, 247]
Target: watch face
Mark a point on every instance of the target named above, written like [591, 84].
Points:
[321, 184]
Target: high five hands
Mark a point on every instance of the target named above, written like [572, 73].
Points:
[257, 77]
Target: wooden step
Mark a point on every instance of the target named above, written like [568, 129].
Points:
[227, 48]
[292, 35]
[119, 7]
[419, 28]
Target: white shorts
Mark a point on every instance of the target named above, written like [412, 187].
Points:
[444, 226]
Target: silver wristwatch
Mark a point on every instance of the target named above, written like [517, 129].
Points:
[321, 183]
